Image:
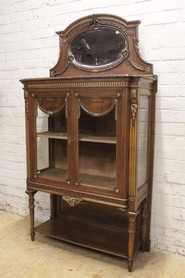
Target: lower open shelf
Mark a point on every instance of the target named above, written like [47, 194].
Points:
[95, 237]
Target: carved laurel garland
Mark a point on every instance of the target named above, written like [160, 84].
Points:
[138, 67]
[69, 61]
[93, 23]
[124, 56]
[99, 114]
[51, 112]
[70, 27]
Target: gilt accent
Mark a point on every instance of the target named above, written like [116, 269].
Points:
[137, 67]
[133, 106]
[72, 202]
[69, 61]
[133, 112]
[97, 114]
[133, 144]
[80, 84]
[50, 113]
[125, 53]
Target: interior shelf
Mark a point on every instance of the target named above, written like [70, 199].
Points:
[54, 174]
[97, 139]
[82, 137]
[86, 179]
[52, 135]
[87, 234]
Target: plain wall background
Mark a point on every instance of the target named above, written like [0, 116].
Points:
[29, 47]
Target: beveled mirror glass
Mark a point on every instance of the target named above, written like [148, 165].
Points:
[97, 47]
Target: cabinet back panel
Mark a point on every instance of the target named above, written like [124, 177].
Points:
[97, 159]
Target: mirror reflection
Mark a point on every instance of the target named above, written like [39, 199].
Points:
[98, 47]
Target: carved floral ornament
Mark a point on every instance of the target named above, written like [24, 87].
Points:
[72, 201]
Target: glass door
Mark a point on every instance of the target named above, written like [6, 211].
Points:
[97, 143]
[142, 140]
[51, 133]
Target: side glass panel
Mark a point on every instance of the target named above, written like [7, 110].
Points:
[52, 145]
[142, 143]
[97, 150]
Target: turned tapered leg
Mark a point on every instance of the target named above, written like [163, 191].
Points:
[31, 207]
[131, 239]
[144, 226]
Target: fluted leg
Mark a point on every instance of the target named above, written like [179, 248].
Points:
[131, 232]
[31, 207]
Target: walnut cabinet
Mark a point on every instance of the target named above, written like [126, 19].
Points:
[90, 138]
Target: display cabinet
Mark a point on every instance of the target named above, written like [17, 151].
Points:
[90, 138]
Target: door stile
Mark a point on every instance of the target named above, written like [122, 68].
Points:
[122, 150]
[75, 119]
[70, 155]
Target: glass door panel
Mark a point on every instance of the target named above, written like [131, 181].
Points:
[97, 150]
[142, 142]
[52, 145]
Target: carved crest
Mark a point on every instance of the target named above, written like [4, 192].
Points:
[80, 56]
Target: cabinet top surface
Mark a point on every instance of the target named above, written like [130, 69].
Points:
[123, 77]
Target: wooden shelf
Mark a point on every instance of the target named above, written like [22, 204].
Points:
[86, 179]
[82, 137]
[97, 139]
[52, 135]
[86, 234]
[53, 174]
